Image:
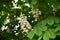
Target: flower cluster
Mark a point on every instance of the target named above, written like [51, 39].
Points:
[25, 25]
[36, 13]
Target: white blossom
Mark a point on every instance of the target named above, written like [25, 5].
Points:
[29, 16]
[16, 1]
[52, 6]
[27, 4]
[32, 21]
[36, 13]
[16, 27]
[15, 31]
[4, 28]
[48, 3]
[23, 0]
[30, 12]
[16, 34]
[35, 19]
[18, 18]
[4, 5]
[25, 25]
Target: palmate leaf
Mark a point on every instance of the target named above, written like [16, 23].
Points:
[43, 28]
[50, 20]
[42, 5]
[33, 39]
[58, 26]
[58, 33]
[30, 34]
[40, 37]
[56, 20]
[43, 22]
[51, 34]
[57, 29]
[45, 36]
[37, 31]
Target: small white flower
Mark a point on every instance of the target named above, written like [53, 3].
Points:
[39, 12]
[30, 12]
[16, 34]
[14, 4]
[24, 28]
[7, 17]
[26, 31]
[35, 19]
[29, 16]
[23, 0]
[16, 26]
[52, 6]
[29, 27]
[7, 20]
[24, 23]
[16, 1]
[18, 18]
[48, 3]
[16, 7]
[4, 5]
[8, 14]
[27, 4]
[14, 15]
[32, 21]
[15, 31]
[3, 28]
[6, 27]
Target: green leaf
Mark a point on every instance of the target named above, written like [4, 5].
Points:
[58, 26]
[51, 34]
[50, 21]
[33, 2]
[43, 28]
[58, 33]
[56, 20]
[37, 31]
[40, 38]
[45, 36]
[43, 22]
[56, 29]
[30, 34]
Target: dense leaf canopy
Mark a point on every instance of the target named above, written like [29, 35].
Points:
[29, 19]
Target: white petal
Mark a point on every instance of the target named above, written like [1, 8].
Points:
[27, 4]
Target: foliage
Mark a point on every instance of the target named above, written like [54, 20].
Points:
[41, 17]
